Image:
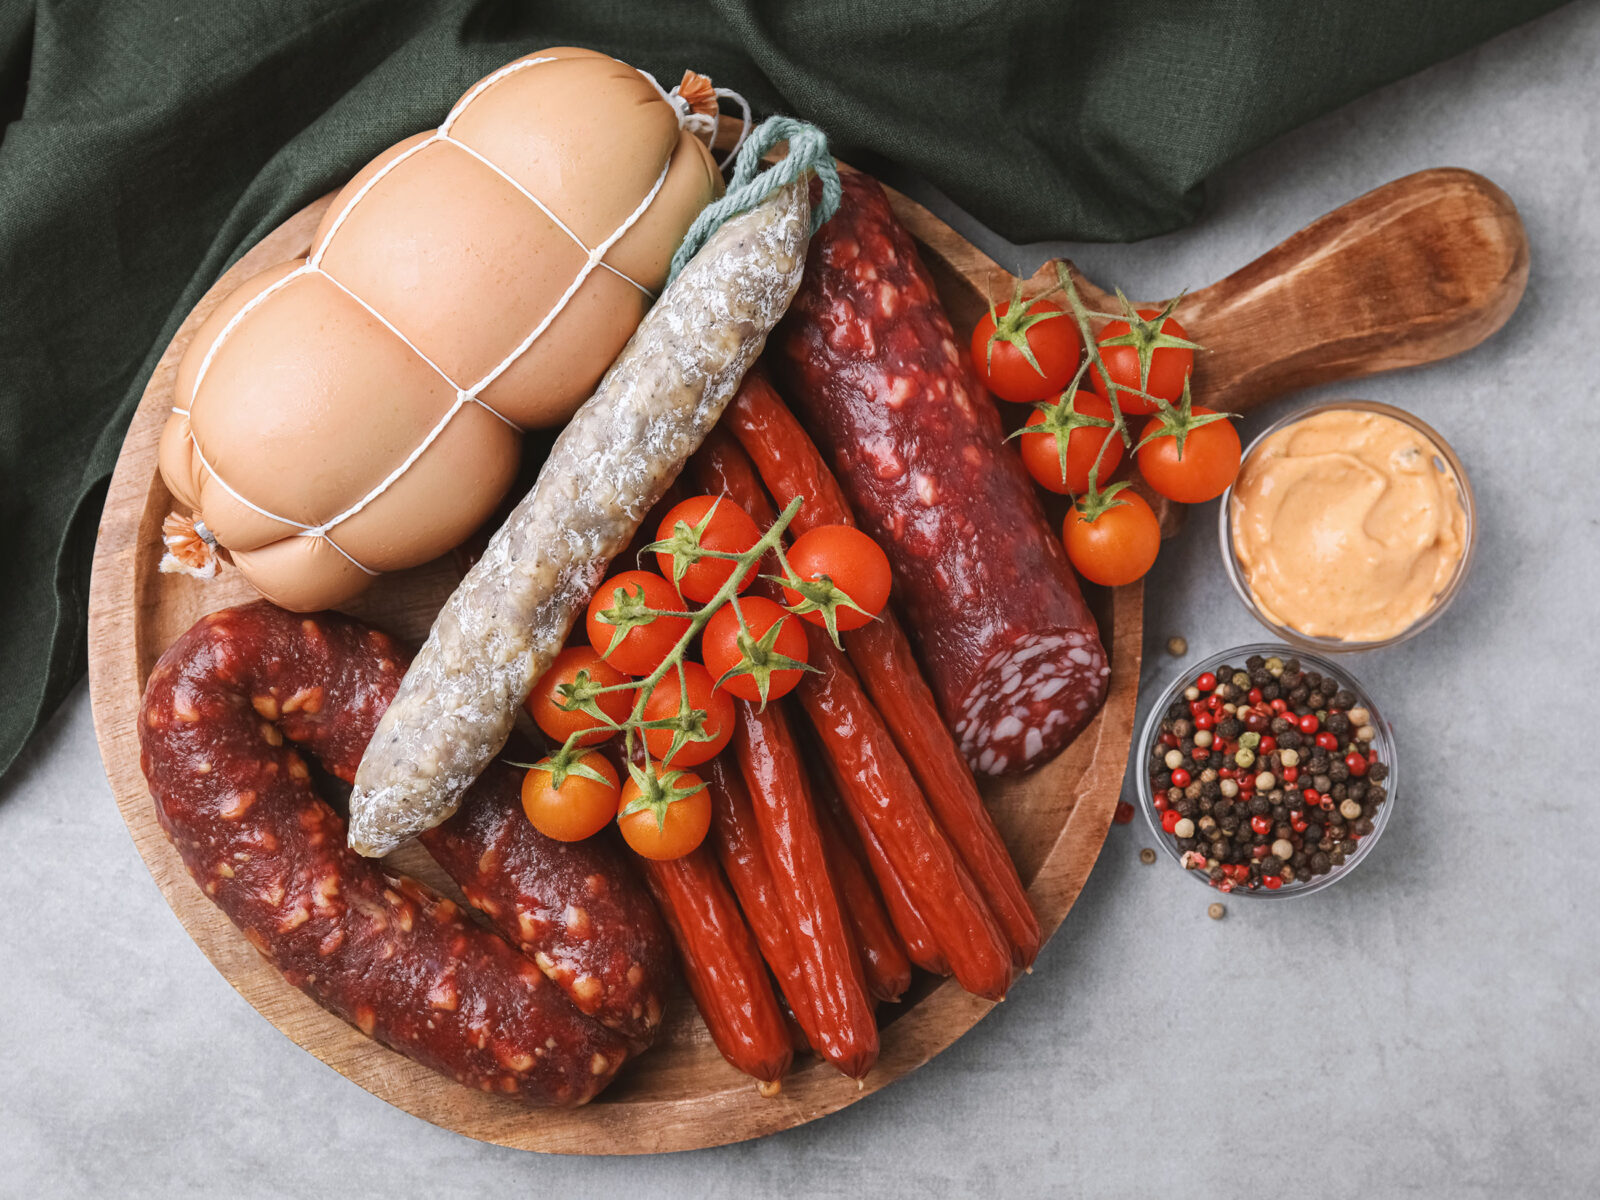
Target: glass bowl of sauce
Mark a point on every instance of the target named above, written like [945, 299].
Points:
[1351, 526]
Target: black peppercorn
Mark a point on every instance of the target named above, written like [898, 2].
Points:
[1260, 806]
[1378, 772]
[1229, 728]
[1290, 739]
[1344, 698]
[1256, 663]
[1320, 862]
[1348, 846]
[1339, 726]
[1270, 691]
[1271, 865]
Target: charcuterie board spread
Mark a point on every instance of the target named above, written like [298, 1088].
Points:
[755, 754]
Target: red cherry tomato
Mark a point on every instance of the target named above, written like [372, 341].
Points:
[703, 695]
[1203, 470]
[581, 807]
[1042, 456]
[719, 646]
[1119, 546]
[641, 648]
[1001, 349]
[681, 826]
[543, 703]
[852, 561]
[730, 530]
[1169, 365]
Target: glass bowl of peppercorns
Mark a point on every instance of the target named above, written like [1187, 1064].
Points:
[1266, 771]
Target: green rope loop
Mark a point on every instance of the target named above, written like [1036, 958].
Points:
[750, 185]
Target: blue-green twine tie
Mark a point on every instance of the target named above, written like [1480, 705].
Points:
[750, 185]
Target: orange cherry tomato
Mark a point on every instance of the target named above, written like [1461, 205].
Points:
[1204, 470]
[581, 807]
[1042, 457]
[680, 826]
[1050, 337]
[730, 530]
[641, 648]
[703, 695]
[719, 645]
[855, 564]
[558, 724]
[1169, 365]
[1118, 546]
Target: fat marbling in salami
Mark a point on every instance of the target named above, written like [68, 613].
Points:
[226, 713]
[871, 364]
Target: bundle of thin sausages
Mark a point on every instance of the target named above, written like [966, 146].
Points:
[887, 859]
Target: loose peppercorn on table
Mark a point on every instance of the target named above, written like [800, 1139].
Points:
[1446, 240]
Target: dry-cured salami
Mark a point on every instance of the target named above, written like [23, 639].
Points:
[509, 617]
[871, 364]
[226, 714]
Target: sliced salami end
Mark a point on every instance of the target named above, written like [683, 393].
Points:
[1031, 699]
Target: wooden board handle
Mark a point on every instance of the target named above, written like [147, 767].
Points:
[1410, 273]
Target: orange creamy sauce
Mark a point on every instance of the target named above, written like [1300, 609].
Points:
[1347, 524]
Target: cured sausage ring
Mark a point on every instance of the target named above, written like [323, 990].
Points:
[227, 713]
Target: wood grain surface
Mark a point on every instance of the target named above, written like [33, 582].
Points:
[1422, 268]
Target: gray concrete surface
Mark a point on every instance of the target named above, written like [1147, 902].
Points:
[1427, 1028]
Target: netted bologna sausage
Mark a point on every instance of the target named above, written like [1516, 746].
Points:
[505, 623]
[870, 363]
[396, 960]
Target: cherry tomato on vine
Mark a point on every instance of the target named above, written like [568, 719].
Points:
[641, 647]
[581, 807]
[1042, 456]
[729, 530]
[674, 825]
[1008, 335]
[1169, 365]
[1118, 546]
[1207, 465]
[854, 563]
[719, 646]
[544, 702]
[703, 695]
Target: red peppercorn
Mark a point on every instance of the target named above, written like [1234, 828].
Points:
[1326, 804]
[1226, 773]
[1357, 763]
[1180, 778]
[1124, 813]
[1268, 745]
[1196, 707]
[1273, 882]
[1215, 703]
[1202, 720]
[1170, 740]
[1290, 774]
[1225, 886]
[1309, 724]
[1199, 860]
[1327, 741]
[1169, 820]
[1280, 705]
[1298, 824]
[1311, 795]
[1206, 682]
[1160, 803]
[1255, 696]
[1261, 824]
[1260, 851]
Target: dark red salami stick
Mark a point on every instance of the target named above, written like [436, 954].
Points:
[868, 358]
[790, 465]
[877, 785]
[722, 963]
[399, 962]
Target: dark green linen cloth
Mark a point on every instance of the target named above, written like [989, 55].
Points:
[148, 143]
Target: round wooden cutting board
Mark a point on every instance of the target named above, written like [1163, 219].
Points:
[1425, 267]
[680, 1095]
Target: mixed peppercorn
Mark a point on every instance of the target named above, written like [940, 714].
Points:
[1267, 774]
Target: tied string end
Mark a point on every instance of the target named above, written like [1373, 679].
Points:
[750, 185]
